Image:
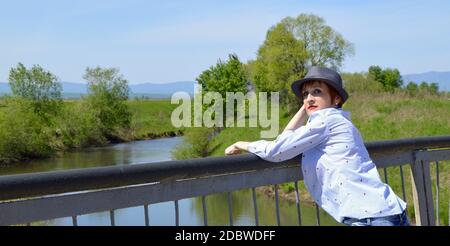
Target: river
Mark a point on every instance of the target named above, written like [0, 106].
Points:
[163, 214]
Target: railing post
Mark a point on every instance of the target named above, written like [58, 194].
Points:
[421, 189]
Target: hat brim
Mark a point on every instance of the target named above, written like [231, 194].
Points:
[298, 84]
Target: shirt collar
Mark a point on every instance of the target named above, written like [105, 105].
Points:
[330, 111]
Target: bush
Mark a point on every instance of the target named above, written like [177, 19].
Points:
[23, 133]
[79, 127]
[107, 99]
[196, 144]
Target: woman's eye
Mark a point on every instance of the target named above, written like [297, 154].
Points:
[317, 91]
[305, 94]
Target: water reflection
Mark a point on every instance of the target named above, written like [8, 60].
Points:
[119, 154]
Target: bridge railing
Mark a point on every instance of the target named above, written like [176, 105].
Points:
[26, 198]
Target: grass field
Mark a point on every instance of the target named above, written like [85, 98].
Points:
[151, 118]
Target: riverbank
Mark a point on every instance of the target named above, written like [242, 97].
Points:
[26, 136]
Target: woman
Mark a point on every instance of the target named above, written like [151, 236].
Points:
[336, 166]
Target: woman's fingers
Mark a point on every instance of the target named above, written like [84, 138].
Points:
[232, 150]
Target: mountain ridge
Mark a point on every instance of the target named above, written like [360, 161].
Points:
[151, 90]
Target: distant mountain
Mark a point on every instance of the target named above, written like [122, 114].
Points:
[150, 90]
[441, 78]
[74, 88]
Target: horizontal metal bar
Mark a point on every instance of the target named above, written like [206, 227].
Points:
[35, 184]
[407, 144]
[434, 155]
[15, 212]
[391, 160]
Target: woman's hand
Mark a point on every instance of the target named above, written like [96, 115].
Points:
[236, 148]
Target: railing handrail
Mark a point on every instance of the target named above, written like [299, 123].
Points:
[397, 145]
[55, 182]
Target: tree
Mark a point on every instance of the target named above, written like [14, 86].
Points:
[108, 92]
[389, 78]
[224, 77]
[281, 60]
[293, 45]
[412, 88]
[38, 86]
[434, 88]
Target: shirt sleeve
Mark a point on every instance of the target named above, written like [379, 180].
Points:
[291, 143]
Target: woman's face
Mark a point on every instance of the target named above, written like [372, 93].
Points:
[316, 96]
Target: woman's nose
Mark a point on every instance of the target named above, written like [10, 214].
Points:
[309, 97]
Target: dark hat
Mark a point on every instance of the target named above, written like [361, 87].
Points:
[330, 77]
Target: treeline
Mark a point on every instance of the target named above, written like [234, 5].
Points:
[35, 123]
[377, 80]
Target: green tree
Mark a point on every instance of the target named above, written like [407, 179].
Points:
[412, 88]
[431, 88]
[224, 77]
[293, 45]
[281, 60]
[108, 92]
[434, 88]
[39, 86]
[423, 87]
[229, 76]
[389, 78]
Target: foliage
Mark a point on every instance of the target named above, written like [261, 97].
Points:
[360, 82]
[281, 60]
[23, 134]
[38, 86]
[412, 88]
[197, 143]
[293, 45]
[431, 88]
[79, 127]
[224, 77]
[389, 78]
[108, 92]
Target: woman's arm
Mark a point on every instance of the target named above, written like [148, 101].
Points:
[236, 148]
[298, 119]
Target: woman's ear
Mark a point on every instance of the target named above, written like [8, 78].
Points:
[337, 100]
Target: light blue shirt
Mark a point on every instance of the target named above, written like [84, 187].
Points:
[336, 166]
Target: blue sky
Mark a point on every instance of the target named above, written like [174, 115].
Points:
[167, 41]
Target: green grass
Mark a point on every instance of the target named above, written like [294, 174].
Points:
[391, 116]
[151, 118]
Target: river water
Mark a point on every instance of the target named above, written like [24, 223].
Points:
[163, 214]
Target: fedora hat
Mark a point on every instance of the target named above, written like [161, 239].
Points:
[316, 73]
